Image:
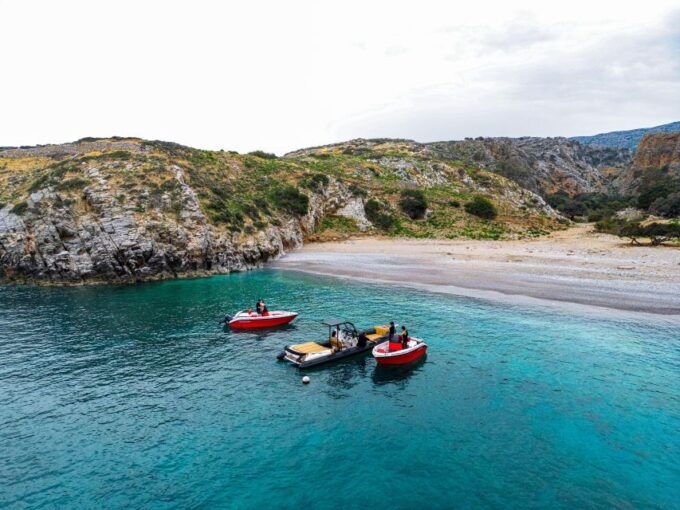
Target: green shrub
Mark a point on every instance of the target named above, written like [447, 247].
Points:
[338, 224]
[72, 184]
[315, 182]
[413, 203]
[657, 233]
[593, 206]
[454, 203]
[227, 216]
[119, 154]
[291, 200]
[379, 215]
[262, 205]
[263, 154]
[482, 207]
[19, 208]
[668, 207]
[39, 183]
[357, 190]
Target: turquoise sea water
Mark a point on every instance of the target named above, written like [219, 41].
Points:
[135, 397]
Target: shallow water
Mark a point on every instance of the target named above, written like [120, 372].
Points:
[135, 397]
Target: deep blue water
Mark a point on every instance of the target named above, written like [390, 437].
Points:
[135, 397]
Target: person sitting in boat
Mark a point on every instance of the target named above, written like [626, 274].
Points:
[336, 343]
[404, 337]
[363, 339]
[261, 307]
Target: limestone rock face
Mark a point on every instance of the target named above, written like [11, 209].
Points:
[658, 153]
[51, 241]
[658, 150]
[543, 165]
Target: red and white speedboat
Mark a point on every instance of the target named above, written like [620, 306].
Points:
[392, 353]
[247, 319]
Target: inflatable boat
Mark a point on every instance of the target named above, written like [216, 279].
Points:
[393, 353]
[247, 319]
[343, 341]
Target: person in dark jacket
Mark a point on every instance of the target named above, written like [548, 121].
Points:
[393, 331]
[404, 337]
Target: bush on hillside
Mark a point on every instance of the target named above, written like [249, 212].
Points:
[482, 207]
[592, 206]
[668, 207]
[379, 215]
[19, 208]
[413, 203]
[315, 182]
[263, 154]
[291, 200]
[656, 184]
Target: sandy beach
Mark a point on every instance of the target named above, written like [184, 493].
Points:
[572, 266]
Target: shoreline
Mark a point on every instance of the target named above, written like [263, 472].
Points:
[572, 266]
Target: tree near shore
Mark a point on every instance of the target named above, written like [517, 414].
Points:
[657, 233]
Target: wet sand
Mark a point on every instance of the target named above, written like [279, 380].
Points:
[571, 266]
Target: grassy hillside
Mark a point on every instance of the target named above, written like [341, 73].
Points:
[244, 193]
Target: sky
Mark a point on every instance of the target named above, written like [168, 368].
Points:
[282, 75]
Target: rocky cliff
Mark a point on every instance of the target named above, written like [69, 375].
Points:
[130, 210]
[659, 150]
[657, 157]
[543, 165]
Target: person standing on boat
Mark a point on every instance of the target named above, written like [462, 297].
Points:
[393, 331]
[259, 306]
[404, 337]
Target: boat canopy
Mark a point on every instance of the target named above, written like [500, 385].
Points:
[335, 322]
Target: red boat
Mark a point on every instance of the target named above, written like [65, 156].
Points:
[393, 353]
[248, 319]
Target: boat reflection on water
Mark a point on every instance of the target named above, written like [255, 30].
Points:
[343, 375]
[260, 333]
[397, 373]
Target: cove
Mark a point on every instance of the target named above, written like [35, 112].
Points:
[136, 397]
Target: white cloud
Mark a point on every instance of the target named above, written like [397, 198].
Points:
[283, 75]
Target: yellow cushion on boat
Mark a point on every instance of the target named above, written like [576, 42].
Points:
[309, 347]
[373, 337]
[382, 330]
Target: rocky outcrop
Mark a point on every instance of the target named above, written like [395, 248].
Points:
[658, 155]
[659, 150]
[102, 239]
[543, 165]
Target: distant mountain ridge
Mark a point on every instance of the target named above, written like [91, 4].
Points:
[626, 139]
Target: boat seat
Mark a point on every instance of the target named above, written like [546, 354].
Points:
[382, 330]
[308, 348]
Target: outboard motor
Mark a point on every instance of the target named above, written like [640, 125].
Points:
[227, 319]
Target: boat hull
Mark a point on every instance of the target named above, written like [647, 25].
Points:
[385, 357]
[269, 321]
[345, 353]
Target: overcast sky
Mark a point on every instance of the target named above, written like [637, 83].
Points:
[280, 75]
